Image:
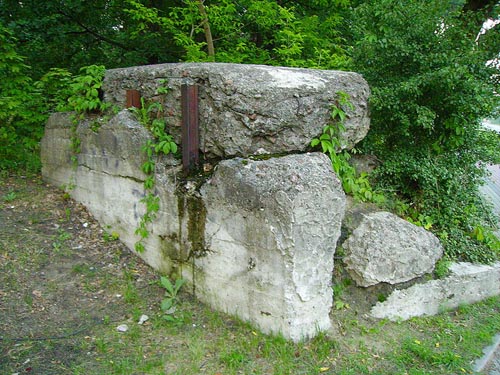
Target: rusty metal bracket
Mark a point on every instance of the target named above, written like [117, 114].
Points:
[133, 99]
[190, 133]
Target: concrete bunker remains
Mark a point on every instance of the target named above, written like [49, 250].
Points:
[257, 237]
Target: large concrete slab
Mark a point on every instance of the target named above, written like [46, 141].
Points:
[249, 109]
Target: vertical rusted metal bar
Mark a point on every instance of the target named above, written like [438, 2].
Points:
[133, 99]
[190, 134]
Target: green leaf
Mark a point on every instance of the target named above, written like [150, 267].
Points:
[167, 304]
[165, 282]
[139, 247]
[173, 147]
[178, 285]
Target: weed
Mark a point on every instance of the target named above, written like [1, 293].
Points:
[67, 212]
[130, 294]
[442, 268]
[101, 345]
[28, 299]
[108, 237]
[331, 144]
[84, 270]
[10, 196]
[60, 240]
[170, 301]
[233, 358]
[381, 297]
[338, 291]
[56, 246]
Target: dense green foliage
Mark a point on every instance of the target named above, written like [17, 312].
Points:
[426, 67]
[21, 107]
[431, 88]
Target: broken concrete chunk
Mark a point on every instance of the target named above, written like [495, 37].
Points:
[384, 248]
[272, 228]
[468, 283]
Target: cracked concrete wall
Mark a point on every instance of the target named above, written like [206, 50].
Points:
[255, 238]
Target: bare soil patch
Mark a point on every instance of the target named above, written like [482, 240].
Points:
[61, 278]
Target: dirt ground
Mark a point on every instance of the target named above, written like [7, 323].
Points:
[57, 285]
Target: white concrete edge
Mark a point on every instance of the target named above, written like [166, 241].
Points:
[488, 353]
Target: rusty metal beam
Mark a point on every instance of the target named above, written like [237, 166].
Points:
[190, 133]
[133, 99]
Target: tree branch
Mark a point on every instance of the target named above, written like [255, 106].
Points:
[95, 34]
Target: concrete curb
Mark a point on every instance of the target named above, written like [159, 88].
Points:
[488, 354]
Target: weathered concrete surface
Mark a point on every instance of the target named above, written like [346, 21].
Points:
[256, 241]
[250, 109]
[468, 283]
[107, 178]
[56, 150]
[271, 233]
[385, 248]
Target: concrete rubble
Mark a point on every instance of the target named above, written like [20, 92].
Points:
[254, 234]
[384, 248]
[467, 283]
[254, 237]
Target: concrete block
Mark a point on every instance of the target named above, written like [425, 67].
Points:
[271, 233]
[249, 109]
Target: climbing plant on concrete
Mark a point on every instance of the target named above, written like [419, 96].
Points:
[151, 117]
[83, 100]
[331, 144]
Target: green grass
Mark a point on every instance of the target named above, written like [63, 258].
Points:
[212, 343]
[84, 340]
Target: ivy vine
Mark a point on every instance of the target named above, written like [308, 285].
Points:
[84, 99]
[150, 115]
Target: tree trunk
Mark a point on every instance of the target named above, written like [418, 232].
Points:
[206, 27]
[479, 4]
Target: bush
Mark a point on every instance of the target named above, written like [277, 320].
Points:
[431, 88]
[25, 104]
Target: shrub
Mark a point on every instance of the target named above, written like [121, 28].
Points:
[431, 88]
